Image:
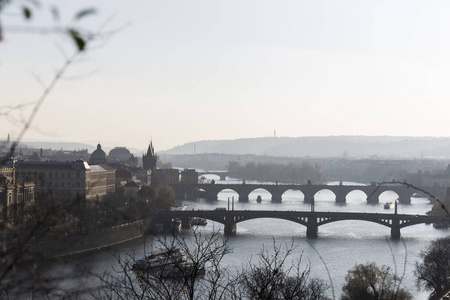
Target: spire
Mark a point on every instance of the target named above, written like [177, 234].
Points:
[150, 150]
[149, 159]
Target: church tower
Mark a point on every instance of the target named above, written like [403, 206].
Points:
[149, 159]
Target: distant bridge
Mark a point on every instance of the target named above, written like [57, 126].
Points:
[222, 174]
[311, 219]
[372, 192]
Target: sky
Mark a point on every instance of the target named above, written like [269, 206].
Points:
[180, 71]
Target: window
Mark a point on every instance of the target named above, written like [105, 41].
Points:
[50, 174]
[56, 174]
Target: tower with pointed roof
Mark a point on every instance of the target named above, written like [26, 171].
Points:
[149, 159]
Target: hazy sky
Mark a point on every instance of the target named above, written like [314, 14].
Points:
[181, 71]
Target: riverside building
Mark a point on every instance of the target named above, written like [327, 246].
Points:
[67, 180]
[15, 197]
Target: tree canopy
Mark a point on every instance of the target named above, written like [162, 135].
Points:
[433, 273]
[370, 282]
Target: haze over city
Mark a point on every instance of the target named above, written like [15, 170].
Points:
[176, 71]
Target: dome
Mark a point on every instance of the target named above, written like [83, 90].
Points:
[119, 154]
[98, 156]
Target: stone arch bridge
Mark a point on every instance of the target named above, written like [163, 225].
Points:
[372, 192]
[311, 219]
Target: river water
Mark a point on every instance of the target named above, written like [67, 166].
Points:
[338, 248]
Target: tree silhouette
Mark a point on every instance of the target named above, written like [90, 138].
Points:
[433, 272]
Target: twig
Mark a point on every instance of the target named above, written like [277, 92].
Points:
[326, 268]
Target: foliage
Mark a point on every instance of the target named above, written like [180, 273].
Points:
[28, 9]
[164, 199]
[273, 278]
[203, 250]
[146, 193]
[433, 273]
[368, 281]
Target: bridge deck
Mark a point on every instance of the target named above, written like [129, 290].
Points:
[312, 220]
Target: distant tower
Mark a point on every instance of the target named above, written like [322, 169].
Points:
[8, 140]
[149, 159]
[345, 154]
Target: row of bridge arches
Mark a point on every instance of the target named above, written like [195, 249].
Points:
[324, 195]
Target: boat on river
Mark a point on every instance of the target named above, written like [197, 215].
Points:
[199, 221]
[159, 259]
[170, 263]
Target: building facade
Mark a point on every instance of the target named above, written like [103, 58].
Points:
[165, 177]
[189, 176]
[67, 180]
[15, 197]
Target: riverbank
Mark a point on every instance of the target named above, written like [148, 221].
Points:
[91, 241]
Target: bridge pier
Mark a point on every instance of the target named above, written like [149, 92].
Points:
[404, 198]
[373, 198]
[395, 230]
[312, 228]
[309, 198]
[276, 198]
[229, 229]
[340, 198]
[212, 195]
[185, 223]
[243, 196]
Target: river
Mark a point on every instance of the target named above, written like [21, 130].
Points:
[338, 248]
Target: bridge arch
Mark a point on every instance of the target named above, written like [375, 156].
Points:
[377, 221]
[227, 193]
[293, 195]
[216, 175]
[388, 196]
[208, 177]
[356, 196]
[325, 195]
[264, 193]
[272, 226]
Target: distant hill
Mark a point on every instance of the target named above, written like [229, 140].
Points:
[330, 146]
[58, 145]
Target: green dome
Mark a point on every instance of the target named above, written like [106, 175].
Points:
[98, 156]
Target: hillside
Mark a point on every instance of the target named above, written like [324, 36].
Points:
[331, 146]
